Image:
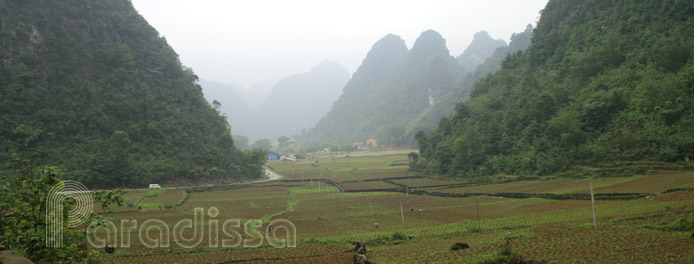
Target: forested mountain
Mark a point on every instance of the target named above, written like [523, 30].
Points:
[430, 118]
[519, 42]
[602, 81]
[481, 47]
[95, 90]
[390, 88]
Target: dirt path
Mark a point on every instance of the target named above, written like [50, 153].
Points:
[273, 176]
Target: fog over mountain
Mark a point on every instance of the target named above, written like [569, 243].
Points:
[255, 95]
[250, 41]
[481, 48]
[231, 102]
[294, 103]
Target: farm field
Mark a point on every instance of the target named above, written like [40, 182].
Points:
[656, 182]
[328, 210]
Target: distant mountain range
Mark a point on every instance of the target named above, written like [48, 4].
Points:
[397, 92]
[294, 103]
[394, 94]
[390, 88]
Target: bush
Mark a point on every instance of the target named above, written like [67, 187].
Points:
[682, 225]
[394, 239]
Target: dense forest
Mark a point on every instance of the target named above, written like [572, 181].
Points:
[602, 81]
[91, 87]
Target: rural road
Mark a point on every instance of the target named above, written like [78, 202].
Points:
[272, 176]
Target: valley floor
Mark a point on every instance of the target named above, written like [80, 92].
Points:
[640, 219]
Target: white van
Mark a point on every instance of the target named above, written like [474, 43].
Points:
[154, 186]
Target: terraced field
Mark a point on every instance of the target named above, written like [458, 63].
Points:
[328, 210]
[656, 182]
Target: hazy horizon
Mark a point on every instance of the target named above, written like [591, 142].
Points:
[253, 42]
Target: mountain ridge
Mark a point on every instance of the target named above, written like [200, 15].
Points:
[392, 86]
[91, 87]
[481, 48]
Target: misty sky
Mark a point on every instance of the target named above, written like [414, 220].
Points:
[251, 41]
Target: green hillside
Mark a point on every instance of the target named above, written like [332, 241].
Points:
[430, 118]
[92, 88]
[602, 81]
[391, 87]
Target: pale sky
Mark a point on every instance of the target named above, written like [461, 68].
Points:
[249, 41]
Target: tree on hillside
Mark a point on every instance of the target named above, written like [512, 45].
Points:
[241, 141]
[284, 141]
[262, 144]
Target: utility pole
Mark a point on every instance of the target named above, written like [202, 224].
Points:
[592, 201]
[479, 227]
[402, 214]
